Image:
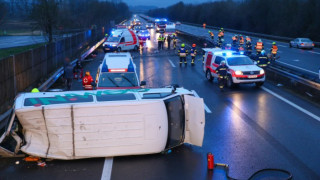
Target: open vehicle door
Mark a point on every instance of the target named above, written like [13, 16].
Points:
[195, 120]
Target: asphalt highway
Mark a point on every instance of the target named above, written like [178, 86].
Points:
[248, 128]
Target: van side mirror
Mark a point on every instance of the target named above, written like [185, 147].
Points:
[143, 83]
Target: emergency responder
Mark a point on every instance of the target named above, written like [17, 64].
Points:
[204, 25]
[35, 90]
[220, 35]
[259, 46]
[169, 41]
[222, 72]
[222, 31]
[193, 53]
[220, 42]
[174, 38]
[234, 43]
[161, 40]
[262, 59]
[248, 46]
[211, 35]
[68, 73]
[183, 52]
[204, 52]
[248, 39]
[274, 50]
[77, 70]
[87, 81]
[241, 40]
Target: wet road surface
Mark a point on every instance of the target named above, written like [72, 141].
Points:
[248, 128]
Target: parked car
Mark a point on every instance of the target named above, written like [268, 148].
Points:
[149, 25]
[178, 23]
[302, 43]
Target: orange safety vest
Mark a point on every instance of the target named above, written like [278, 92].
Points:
[259, 45]
[234, 38]
[211, 34]
[221, 34]
[248, 39]
[274, 49]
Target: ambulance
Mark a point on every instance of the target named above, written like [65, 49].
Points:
[242, 69]
[117, 71]
[121, 40]
[102, 123]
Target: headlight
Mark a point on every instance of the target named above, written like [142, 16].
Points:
[238, 73]
[261, 71]
[114, 45]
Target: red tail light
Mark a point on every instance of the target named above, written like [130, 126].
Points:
[301, 44]
[312, 44]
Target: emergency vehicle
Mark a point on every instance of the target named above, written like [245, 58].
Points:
[121, 40]
[102, 123]
[170, 29]
[241, 68]
[161, 25]
[118, 71]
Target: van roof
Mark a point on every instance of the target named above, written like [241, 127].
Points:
[116, 61]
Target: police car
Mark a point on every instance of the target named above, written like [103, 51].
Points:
[118, 71]
[241, 68]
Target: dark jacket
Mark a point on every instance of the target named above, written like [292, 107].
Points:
[68, 71]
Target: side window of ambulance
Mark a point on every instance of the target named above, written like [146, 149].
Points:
[209, 59]
[122, 39]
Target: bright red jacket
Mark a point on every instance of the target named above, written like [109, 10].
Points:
[87, 81]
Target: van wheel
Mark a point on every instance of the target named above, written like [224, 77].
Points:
[136, 48]
[208, 75]
[119, 49]
[230, 83]
[259, 84]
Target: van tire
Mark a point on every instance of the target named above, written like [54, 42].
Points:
[119, 49]
[208, 75]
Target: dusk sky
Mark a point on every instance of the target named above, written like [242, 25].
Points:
[160, 3]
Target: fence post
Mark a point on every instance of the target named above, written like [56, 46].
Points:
[14, 75]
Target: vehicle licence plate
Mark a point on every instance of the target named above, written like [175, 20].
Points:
[252, 76]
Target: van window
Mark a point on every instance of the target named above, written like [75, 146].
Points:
[176, 121]
[115, 97]
[218, 60]
[155, 95]
[122, 39]
[58, 100]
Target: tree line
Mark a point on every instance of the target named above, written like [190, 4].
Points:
[52, 15]
[289, 18]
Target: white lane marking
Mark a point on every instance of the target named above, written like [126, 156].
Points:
[298, 68]
[296, 60]
[314, 52]
[205, 106]
[107, 169]
[292, 104]
[171, 63]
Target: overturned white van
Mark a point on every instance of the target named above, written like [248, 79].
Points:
[104, 123]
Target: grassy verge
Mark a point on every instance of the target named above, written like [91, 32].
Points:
[15, 50]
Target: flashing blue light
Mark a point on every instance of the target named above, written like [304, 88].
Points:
[130, 66]
[104, 67]
[157, 20]
[112, 32]
[229, 54]
[241, 52]
[165, 20]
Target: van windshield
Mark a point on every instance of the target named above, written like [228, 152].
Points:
[176, 121]
[113, 39]
[128, 79]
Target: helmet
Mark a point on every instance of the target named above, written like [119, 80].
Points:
[221, 28]
[193, 45]
[222, 62]
[35, 90]
[106, 35]
[183, 45]
[263, 52]
[209, 31]
[259, 40]
[87, 73]
[274, 43]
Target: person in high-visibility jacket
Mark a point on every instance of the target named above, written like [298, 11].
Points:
[234, 43]
[193, 53]
[248, 39]
[220, 34]
[87, 81]
[183, 52]
[161, 40]
[204, 25]
[262, 59]
[211, 35]
[248, 47]
[241, 40]
[222, 72]
[274, 50]
[174, 39]
[259, 46]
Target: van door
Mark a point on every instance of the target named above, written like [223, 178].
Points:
[195, 120]
[122, 43]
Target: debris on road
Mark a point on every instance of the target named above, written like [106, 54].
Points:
[31, 159]
[42, 163]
